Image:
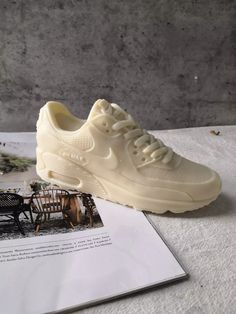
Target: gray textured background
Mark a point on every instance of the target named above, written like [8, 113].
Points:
[170, 63]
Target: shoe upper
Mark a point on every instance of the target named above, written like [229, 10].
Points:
[112, 146]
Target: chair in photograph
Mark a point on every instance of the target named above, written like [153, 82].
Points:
[11, 206]
[50, 201]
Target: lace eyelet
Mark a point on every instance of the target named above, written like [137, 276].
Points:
[143, 159]
[135, 152]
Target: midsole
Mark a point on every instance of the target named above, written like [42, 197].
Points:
[119, 195]
[142, 202]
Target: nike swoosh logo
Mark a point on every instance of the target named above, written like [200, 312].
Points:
[109, 162]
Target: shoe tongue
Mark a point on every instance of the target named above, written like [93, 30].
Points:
[101, 106]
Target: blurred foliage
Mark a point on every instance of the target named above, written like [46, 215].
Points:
[10, 163]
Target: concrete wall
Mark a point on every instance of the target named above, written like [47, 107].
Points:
[170, 63]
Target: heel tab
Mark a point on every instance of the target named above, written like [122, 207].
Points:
[54, 110]
[48, 113]
[54, 107]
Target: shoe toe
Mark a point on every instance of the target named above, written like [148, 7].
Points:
[206, 189]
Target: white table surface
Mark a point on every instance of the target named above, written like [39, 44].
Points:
[203, 240]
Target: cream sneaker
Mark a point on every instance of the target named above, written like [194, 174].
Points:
[110, 156]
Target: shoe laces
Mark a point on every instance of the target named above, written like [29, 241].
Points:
[142, 139]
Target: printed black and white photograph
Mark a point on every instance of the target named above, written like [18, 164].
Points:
[32, 207]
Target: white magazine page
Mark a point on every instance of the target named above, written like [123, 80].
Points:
[61, 268]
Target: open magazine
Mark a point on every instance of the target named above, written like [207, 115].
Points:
[50, 265]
